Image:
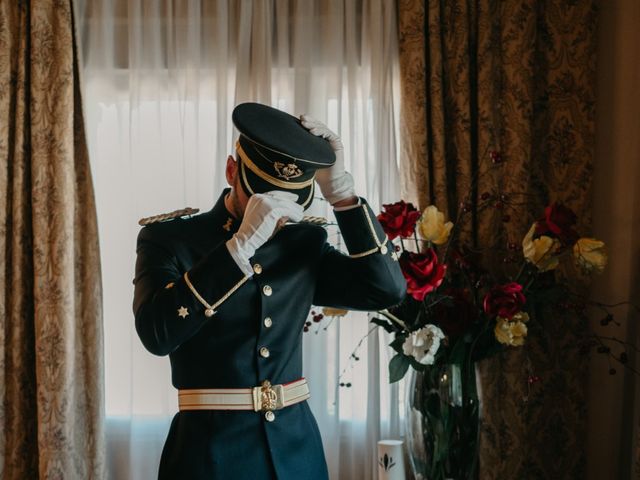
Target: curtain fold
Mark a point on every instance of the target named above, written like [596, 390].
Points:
[162, 79]
[517, 77]
[51, 355]
[614, 401]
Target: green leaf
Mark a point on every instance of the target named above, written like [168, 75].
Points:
[417, 366]
[398, 366]
[396, 344]
[381, 322]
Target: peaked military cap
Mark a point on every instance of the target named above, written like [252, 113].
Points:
[277, 153]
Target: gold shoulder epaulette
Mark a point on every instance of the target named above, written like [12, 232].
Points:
[314, 220]
[163, 217]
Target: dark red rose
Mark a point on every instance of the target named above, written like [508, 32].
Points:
[504, 300]
[455, 315]
[422, 272]
[399, 219]
[557, 222]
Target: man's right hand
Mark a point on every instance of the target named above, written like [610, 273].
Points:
[336, 184]
[265, 212]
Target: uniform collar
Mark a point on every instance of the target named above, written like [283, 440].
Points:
[221, 218]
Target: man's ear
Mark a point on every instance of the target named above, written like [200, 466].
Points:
[231, 170]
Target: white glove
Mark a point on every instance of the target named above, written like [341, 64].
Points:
[265, 213]
[335, 182]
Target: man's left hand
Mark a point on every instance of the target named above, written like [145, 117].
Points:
[336, 184]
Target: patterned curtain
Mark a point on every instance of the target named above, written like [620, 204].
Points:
[50, 312]
[517, 77]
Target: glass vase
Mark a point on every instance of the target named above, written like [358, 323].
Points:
[442, 416]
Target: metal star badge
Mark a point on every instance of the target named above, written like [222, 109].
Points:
[183, 312]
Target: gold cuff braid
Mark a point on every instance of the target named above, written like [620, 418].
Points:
[380, 246]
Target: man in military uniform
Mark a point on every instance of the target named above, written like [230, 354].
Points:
[226, 293]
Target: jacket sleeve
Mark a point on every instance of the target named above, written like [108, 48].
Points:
[369, 278]
[167, 313]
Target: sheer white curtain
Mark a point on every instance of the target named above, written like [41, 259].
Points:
[161, 78]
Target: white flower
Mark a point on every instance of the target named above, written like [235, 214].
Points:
[423, 344]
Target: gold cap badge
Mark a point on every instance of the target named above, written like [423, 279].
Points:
[288, 171]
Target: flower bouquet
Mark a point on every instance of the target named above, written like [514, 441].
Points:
[461, 308]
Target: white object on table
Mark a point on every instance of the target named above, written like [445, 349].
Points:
[390, 460]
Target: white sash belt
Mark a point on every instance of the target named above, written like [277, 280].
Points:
[265, 397]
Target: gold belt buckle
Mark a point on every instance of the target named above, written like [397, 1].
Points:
[268, 397]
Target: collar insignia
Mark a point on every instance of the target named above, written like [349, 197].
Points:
[288, 171]
[227, 226]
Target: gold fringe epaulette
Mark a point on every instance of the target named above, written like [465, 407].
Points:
[163, 217]
[314, 220]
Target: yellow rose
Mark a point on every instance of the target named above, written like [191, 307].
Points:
[512, 332]
[432, 226]
[590, 254]
[334, 312]
[540, 251]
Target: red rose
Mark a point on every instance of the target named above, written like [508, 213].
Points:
[399, 219]
[504, 300]
[422, 272]
[557, 222]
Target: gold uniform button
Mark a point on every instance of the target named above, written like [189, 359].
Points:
[269, 416]
[257, 269]
[264, 352]
[268, 322]
[267, 290]
[383, 249]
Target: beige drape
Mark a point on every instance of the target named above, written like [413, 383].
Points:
[50, 311]
[516, 76]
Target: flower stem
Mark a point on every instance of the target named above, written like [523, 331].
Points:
[521, 271]
[600, 338]
[393, 318]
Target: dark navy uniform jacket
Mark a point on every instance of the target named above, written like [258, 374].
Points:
[293, 270]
